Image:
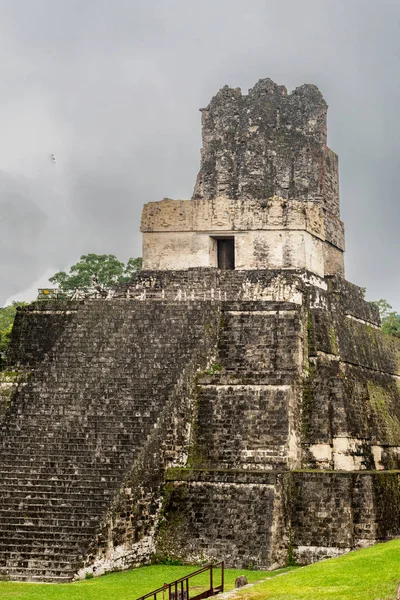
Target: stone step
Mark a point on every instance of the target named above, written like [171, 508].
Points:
[69, 487]
[64, 487]
[81, 426]
[24, 575]
[36, 570]
[88, 460]
[34, 560]
[41, 559]
[49, 529]
[129, 415]
[42, 537]
[94, 503]
[19, 576]
[40, 510]
[18, 503]
[61, 554]
[55, 489]
[65, 532]
[133, 435]
[51, 501]
[84, 458]
[108, 440]
[59, 472]
[58, 475]
[42, 549]
[39, 565]
[49, 521]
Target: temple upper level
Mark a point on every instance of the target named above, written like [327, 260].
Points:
[267, 192]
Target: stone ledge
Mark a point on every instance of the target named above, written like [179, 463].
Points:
[247, 476]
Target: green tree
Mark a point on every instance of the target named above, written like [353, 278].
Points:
[102, 270]
[390, 318]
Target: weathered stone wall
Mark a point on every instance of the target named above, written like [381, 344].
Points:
[332, 513]
[280, 234]
[236, 516]
[346, 356]
[253, 250]
[216, 285]
[333, 260]
[73, 432]
[266, 178]
[222, 215]
[264, 520]
[351, 394]
[10, 383]
[248, 401]
[243, 378]
[36, 329]
[311, 384]
[267, 143]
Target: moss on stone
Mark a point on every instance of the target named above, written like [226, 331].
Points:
[9, 376]
[333, 340]
[171, 524]
[379, 399]
[14, 376]
[309, 330]
[387, 502]
[307, 401]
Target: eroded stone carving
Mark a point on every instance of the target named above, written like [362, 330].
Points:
[267, 178]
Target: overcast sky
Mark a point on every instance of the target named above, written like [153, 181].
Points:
[112, 90]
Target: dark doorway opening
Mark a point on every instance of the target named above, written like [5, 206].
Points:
[226, 253]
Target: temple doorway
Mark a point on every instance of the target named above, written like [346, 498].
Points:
[226, 253]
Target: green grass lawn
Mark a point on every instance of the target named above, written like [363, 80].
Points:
[369, 574]
[366, 574]
[127, 585]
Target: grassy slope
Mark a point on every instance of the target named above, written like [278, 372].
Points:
[363, 575]
[117, 586]
[366, 574]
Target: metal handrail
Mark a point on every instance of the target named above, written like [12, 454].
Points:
[173, 591]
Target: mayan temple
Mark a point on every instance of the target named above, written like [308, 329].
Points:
[236, 401]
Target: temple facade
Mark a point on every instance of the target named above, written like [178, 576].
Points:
[267, 193]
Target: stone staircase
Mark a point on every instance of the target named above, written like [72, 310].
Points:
[75, 428]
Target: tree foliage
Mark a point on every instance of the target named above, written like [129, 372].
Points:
[390, 318]
[104, 270]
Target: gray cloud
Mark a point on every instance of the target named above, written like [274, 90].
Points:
[113, 90]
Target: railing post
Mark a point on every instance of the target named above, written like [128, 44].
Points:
[176, 589]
